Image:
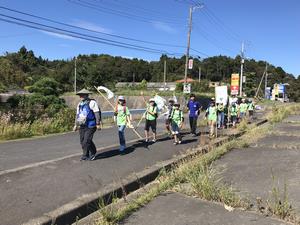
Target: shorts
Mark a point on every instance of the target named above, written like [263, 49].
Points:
[175, 128]
[152, 124]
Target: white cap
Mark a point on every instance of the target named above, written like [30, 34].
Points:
[151, 100]
[121, 97]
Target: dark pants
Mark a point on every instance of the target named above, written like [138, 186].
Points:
[86, 141]
[193, 124]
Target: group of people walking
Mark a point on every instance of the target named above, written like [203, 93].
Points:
[88, 119]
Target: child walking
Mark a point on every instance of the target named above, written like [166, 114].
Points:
[123, 118]
[151, 116]
[176, 123]
[211, 115]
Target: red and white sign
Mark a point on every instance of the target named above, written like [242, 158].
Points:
[191, 64]
[234, 88]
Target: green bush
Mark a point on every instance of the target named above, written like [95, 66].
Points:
[46, 86]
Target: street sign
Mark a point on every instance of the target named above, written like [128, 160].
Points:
[234, 88]
[187, 88]
[190, 64]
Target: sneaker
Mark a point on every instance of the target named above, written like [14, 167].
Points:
[175, 143]
[179, 142]
[146, 140]
[122, 153]
[93, 157]
[83, 158]
[154, 140]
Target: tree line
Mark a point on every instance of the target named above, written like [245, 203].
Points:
[22, 69]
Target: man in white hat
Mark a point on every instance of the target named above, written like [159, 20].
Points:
[88, 120]
[151, 116]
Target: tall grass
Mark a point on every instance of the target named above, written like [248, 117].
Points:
[62, 121]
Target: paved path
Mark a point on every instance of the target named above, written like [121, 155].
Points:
[178, 209]
[23, 152]
[31, 192]
[250, 170]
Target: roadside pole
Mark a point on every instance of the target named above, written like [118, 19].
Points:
[75, 75]
[242, 70]
[188, 45]
[266, 80]
[199, 73]
[165, 74]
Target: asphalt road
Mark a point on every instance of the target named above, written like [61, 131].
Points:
[29, 193]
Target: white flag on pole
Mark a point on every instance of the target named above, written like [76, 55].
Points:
[109, 93]
[160, 102]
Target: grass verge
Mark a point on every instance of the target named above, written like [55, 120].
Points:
[203, 180]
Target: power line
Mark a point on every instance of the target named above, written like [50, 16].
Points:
[139, 8]
[52, 29]
[116, 12]
[90, 30]
[218, 23]
[111, 35]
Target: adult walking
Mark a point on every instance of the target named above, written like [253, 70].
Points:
[123, 118]
[194, 111]
[88, 120]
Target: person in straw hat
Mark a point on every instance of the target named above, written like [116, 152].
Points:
[88, 120]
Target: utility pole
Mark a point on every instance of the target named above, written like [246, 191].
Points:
[199, 73]
[188, 44]
[242, 70]
[75, 75]
[261, 80]
[266, 80]
[133, 78]
[165, 74]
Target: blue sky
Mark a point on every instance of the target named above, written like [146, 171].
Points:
[270, 28]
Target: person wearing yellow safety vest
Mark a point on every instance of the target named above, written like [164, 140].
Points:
[220, 109]
[243, 109]
[250, 109]
[233, 113]
[177, 120]
[211, 115]
[151, 116]
[123, 118]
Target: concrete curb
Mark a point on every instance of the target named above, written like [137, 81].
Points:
[87, 204]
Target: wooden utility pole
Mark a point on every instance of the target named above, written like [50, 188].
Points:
[199, 73]
[75, 75]
[165, 74]
[242, 70]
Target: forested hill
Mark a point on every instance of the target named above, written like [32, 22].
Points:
[23, 68]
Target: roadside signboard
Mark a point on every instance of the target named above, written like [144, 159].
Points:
[190, 64]
[187, 88]
[234, 88]
[221, 94]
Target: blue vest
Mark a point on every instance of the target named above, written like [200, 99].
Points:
[85, 110]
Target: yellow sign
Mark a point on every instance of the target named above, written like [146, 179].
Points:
[234, 88]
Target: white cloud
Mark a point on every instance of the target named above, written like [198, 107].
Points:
[91, 26]
[163, 27]
[60, 35]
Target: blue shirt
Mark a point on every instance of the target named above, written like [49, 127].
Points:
[194, 108]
